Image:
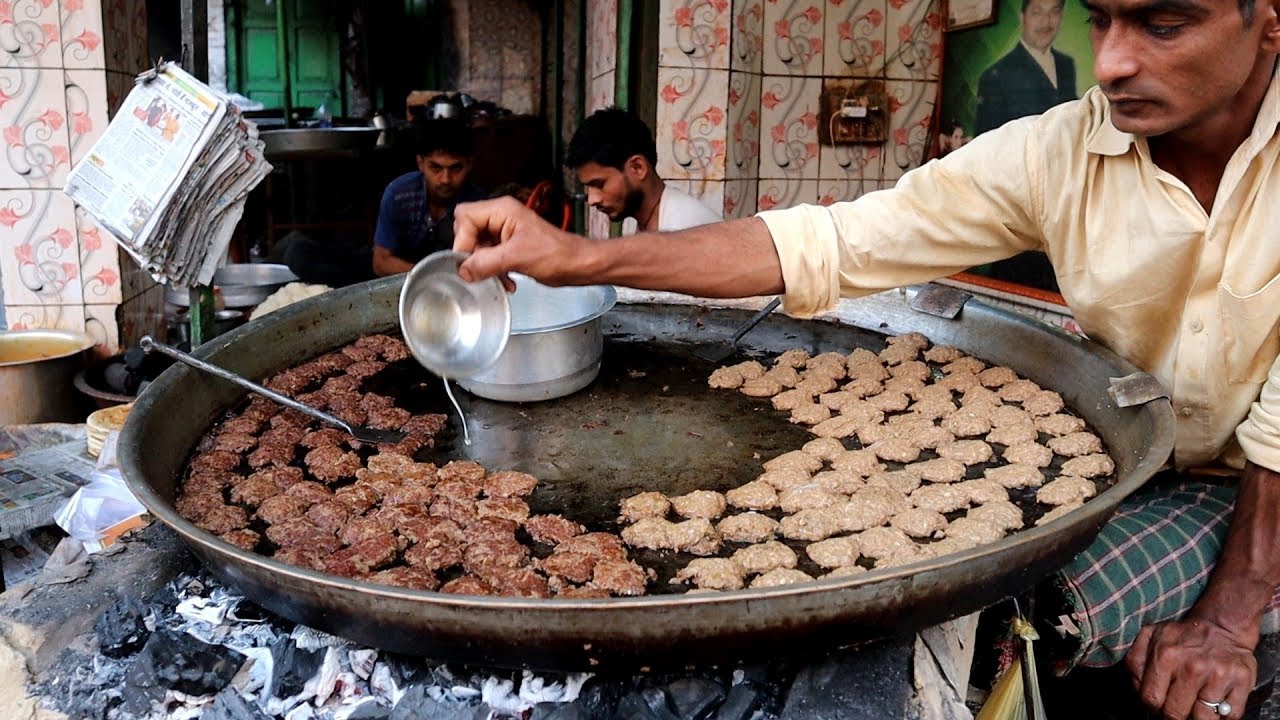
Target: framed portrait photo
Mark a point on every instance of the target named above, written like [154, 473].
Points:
[964, 14]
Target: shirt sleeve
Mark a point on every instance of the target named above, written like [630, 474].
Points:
[387, 233]
[978, 205]
[1259, 434]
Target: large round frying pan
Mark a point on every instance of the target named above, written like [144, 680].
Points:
[619, 435]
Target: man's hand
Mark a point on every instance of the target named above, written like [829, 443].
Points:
[504, 236]
[1176, 665]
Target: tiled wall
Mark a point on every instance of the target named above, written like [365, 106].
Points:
[602, 61]
[739, 85]
[499, 45]
[64, 64]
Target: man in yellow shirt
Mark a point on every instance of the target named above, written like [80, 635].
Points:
[1154, 198]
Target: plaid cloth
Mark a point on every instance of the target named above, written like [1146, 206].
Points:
[1148, 565]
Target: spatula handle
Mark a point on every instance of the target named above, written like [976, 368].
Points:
[148, 344]
[755, 319]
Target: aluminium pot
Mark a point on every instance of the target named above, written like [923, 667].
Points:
[555, 345]
[37, 376]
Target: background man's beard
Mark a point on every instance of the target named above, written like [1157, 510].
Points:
[631, 204]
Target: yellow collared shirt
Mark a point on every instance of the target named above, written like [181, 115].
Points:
[1189, 296]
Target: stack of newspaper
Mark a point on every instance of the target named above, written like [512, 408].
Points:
[169, 176]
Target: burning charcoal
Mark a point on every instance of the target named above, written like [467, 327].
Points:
[648, 704]
[177, 661]
[416, 704]
[122, 630]
[558, 711]
[692, 698]
[292, 667]
[228, 705]
[740, 704]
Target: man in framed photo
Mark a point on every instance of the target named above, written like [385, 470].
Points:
[1033, 76]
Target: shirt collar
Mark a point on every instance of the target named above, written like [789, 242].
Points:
[1107, 140]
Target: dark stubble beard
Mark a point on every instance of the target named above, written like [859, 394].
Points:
[631, 204]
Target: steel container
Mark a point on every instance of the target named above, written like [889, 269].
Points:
[242, 285]
[652, 451]
[555, 346]
[37, 376]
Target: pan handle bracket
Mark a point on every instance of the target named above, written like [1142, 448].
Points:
[939, 300]
[1136, 389]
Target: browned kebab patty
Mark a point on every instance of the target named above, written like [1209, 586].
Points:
[273, 481]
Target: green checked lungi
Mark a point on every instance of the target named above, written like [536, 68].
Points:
[1148, 565]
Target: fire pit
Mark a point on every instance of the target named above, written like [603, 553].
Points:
[621, 436]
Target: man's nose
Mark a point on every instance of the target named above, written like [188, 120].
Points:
[1115, 56]
[593, 197]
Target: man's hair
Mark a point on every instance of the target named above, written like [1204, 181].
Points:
[609, 137]
[1061, 4]
[448, 136]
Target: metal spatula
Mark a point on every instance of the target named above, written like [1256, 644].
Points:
[722, 349]
[362, 434]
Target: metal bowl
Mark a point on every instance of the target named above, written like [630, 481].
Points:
[242, 285]
[453, 327]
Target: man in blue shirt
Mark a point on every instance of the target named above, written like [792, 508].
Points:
[415, 218]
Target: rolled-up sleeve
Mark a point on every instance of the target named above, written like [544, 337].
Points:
[1259, 434]
[977, 205]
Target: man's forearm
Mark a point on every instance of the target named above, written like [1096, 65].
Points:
[1248, 570]
[696, 261]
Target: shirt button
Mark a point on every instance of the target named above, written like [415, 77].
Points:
[1187, 411]
[1196, 326]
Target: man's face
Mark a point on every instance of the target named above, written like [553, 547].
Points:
[610, 190]
[444, 174]
[1040, 23]
[1166, 65]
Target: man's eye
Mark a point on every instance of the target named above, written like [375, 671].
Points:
[1162, 30]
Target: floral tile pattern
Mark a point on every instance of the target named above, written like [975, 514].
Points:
[86, 92]
[52, 317]
[914, 39]
[692, 123]
[33, 128]
[30, 33]
[856, 38]
[80, 24]
[742, 158]
[40, 257]
[746, 44]
[100, 323]
[776, 193]
[740, 198]
[694, 33]
[911, 112]
[793, 37]
[99, 262]
[851, 162]
[831, 192]
[789, 127]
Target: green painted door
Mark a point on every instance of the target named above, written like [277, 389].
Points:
[314, 69]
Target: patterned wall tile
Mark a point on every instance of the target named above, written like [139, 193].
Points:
[48, 317]
[39, 253]
[692, 123]
[911, 104]
[775, 193]
[831, 192]
[742, 156]
[100, 323]
[601, 92]
[746, 44]
[30, 34]
[694, 33]
[124, 25]
[740, 198]
[855, 38]
[793, 37]
[789, 127]
[914, 39]
[99, 262]
[33, 128]
[708, 192]
[86, 92]
[81, 28]
[851, 162]
[602, 31]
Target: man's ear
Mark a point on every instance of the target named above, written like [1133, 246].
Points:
[1268, 13]
[637, 167]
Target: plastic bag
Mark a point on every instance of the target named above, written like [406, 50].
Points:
[104, 509]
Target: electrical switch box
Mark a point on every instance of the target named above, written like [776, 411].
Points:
[853, 112]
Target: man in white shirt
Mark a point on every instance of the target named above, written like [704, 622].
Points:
[1032, 77]
[614, 155]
